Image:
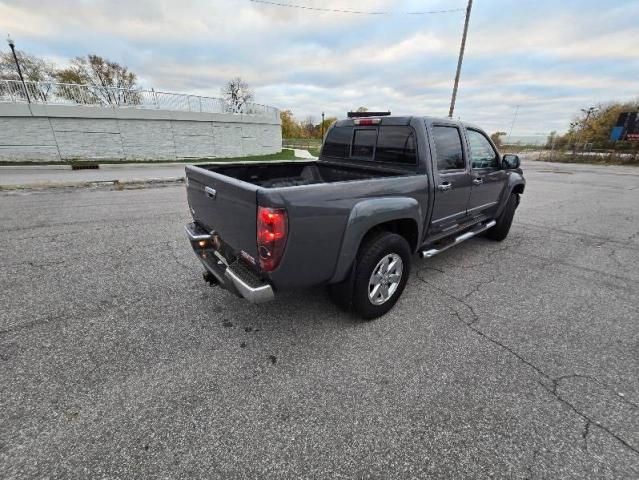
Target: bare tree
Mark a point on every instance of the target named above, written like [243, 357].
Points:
[308, 126]
[496, 138]
[108, 82]
[237, 94]
[34, 69]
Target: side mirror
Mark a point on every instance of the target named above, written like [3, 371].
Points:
[510, 162]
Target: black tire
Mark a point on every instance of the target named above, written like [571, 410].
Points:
[500, 231]
[374, 249]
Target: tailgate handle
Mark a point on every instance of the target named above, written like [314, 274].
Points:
[210, 192]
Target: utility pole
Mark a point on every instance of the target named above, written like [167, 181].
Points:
[513, 123]
[13, 50]
[461, 57]
[322, 126]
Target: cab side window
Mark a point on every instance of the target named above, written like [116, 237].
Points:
[396, 145]
[448, 148]
[482, 153]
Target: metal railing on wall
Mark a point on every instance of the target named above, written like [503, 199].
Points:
[74, 94]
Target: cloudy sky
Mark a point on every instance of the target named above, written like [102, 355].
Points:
[551, 58]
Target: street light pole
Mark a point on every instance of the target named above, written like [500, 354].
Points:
[322, 126]
[13, 50]
[459, 61]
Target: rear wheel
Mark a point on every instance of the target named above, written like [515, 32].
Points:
[500, 231]
[383, 266]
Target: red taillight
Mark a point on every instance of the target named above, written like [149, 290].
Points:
[272, 229]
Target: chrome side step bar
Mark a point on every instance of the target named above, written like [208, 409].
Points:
[462, 238]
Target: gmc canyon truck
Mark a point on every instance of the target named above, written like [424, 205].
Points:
[382, 190]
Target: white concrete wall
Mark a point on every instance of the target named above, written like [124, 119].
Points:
[41, 133]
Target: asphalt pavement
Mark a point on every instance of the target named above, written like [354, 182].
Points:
[517, 359]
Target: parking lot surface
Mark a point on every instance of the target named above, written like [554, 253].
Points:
[517, 359]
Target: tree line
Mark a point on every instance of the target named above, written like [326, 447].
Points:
[589, 129]
[308, 127]
[108, 81]
[592, 128]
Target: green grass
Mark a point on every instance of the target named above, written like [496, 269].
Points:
[285, 154]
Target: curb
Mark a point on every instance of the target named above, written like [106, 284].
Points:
[35, 167]
[113, 184]
[119, 166]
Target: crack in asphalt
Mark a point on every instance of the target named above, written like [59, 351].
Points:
[489, 258]
[171, 245]
[480, 285]
[555, 381]
[533, 462]
[54, 263]
[585, 434]
[31, 324]
[549, 262]
[572, 233]
[612, 255]
[590, 378]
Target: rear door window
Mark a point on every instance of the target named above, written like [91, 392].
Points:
[364, 144]
[396, 145]
[448, 148]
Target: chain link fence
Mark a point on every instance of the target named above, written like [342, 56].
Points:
[544, 148]
[52, 93]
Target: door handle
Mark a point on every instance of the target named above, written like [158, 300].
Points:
[444, 187]
[478, 181]
[210, 192]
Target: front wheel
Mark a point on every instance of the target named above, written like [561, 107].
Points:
[383, 266]
[500, 231]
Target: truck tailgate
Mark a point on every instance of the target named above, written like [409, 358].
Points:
[225, 205]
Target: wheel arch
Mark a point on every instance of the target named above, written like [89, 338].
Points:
[399, 215]
[405, 227]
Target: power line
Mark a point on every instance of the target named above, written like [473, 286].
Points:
[356, 12]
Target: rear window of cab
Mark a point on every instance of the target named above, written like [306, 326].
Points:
[384, 144]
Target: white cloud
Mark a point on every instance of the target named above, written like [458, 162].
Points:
[551, 60]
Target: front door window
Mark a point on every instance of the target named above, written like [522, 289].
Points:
[482, 154]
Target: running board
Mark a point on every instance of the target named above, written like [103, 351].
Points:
[462, 238]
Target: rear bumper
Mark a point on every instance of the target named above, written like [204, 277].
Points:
[233, 277]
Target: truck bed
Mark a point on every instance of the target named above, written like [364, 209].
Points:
[288, 174]
[319, 197]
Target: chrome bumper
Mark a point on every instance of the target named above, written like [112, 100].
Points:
[229, 276]
[261, 294]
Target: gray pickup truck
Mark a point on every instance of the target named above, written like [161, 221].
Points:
[383, 189]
